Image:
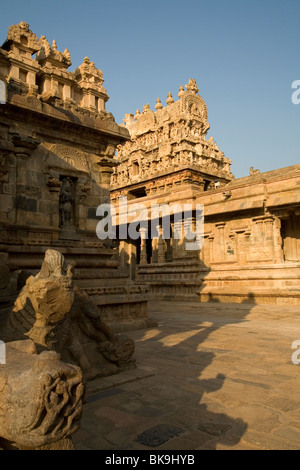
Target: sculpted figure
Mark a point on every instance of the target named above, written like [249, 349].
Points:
[66, 200]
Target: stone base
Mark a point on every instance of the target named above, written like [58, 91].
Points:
[123, 308]
[69, 233]
[122, 303]
[260, 284]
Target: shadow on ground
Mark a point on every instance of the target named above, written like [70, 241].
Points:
[182, 358]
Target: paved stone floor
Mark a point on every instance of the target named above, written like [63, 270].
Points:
[209, 376]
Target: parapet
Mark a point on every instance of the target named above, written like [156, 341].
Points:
[31, 66]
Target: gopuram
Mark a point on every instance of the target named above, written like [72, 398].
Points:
[57, 143]
[251, 233]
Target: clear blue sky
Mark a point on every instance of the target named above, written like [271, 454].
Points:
[243, 54]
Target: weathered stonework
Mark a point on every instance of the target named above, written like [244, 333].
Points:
[251, 248]
[57, 143]
[168, 148]
[58, 317]
[40, 399]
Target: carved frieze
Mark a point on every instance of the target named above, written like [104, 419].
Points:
[168, 139]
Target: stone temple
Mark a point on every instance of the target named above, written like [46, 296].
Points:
[67, 295]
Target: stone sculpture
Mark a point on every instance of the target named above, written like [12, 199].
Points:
[40, 399]
[58, 317]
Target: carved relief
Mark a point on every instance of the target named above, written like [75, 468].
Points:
[70, 155]
[21, 34]
[170, 138]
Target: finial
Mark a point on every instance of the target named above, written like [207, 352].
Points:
[169, 100]
[54, 45]
[137, 114]
[128, 119]
[181, 91]
[24, 25]
[192, 86]
[158, 104]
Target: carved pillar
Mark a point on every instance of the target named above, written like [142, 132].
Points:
[240, 246]
[107, 164]
[177, 239]
[221, 243]
[269, 237]
[154, 242]
[278, 242]
[143, 258]
[161, 250]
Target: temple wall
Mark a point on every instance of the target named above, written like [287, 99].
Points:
[57, 144]
[250, 246]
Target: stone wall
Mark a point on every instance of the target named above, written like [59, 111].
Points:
[251, 232]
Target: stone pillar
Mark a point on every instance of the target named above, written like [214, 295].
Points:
[161, 248]
[202, 254]
[211, 248]
[143, 257]
[177, 239]
[269, 237]
[54, 185]
[240, 244]
[260, 234]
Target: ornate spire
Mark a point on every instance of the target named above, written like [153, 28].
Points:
[158, 104]
[21, 34]
[169, 100]
[51, 53]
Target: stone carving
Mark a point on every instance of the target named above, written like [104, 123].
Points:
[48, 52]
[66, 200]
[192, 86]
[168, 139]
[58, 317]
[69, 155]
[21, 34]
[40, 399]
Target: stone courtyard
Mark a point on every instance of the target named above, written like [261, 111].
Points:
[210, 376]
[195, 371]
